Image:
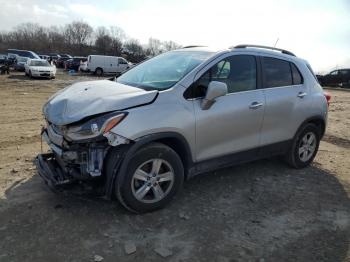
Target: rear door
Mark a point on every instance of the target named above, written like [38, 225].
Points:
[286, 99]
[232, 124]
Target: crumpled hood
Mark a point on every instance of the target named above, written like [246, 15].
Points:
[84, 99]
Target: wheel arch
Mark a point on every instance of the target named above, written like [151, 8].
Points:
[318, 121]
[172, 139]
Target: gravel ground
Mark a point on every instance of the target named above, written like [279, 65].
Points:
[261, 211]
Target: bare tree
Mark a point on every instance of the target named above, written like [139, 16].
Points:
[79, 38]
[103, 42]
[134, 50]
[78, 33]
[170, 45]
[154, 47]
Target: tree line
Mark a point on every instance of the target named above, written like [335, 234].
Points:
[80, 39]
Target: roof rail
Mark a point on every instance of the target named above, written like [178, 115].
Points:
[265, 47]
[191, 46]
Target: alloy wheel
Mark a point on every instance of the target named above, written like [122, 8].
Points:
[152, 181]
[307, 146]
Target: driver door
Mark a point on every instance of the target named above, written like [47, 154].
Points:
[232, 124]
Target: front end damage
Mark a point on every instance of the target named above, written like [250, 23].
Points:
[76, 162]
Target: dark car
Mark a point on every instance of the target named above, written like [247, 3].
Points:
[4, 65]
[74, 63]
[60, 61]
[339, 77]
[21, 61]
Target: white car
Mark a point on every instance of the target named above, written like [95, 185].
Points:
[101, 64]
[83, 67]
[39, 68]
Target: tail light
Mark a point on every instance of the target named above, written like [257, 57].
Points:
[328, 97]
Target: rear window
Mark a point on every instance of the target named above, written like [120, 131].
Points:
[297, 78]
[311, 71]
[277, 72]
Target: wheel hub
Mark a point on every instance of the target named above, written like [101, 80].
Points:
[152, 180]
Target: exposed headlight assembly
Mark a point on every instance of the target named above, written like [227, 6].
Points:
[94, 127]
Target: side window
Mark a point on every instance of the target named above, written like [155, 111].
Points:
[297, 78]
[334, 73]
[237, 72]
[121, 61]
[277, 72]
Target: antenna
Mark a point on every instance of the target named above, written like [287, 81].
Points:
[276, 42]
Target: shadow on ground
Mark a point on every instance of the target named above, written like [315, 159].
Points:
[262, 211]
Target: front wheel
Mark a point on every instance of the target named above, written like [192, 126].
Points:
[154, 176]
[304, 147]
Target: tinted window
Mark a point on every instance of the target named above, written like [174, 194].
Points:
[237, 72]
[334, 73]
[277, 72]
[297, 78]
[345, 72]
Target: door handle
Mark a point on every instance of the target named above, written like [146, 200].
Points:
[301, 94]
[255, 105]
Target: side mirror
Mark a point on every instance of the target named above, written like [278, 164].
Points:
[215, 89]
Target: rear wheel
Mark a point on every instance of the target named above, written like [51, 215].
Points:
[30, 74]
[99, 71]
[305, 146]
[154, 175]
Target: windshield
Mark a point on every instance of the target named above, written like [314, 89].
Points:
[39, 63]
[163, 71]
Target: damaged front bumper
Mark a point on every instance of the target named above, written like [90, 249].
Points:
[70, 162]
[50, 171]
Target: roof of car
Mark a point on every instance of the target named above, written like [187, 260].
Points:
[246, 48]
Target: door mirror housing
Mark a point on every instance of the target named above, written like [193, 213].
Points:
[215, 90]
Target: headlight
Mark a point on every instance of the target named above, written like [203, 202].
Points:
[94, 127]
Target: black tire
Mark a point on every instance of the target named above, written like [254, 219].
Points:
[99, 71]
[293, 157]
[30, 74]
[148, 153]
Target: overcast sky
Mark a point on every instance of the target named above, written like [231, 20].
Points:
[316, 30]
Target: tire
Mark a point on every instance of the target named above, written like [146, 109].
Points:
[99, 71]
[302, 153]
[158, 193]
[30, 74]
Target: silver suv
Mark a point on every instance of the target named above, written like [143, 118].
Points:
[182, 113]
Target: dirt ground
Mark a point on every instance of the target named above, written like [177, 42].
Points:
[261, 211]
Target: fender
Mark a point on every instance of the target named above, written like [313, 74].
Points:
[124, 156]
[313, 119]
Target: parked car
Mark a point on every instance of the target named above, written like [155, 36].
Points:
[12, 59]
[100, 64]
[4, 64]
[39, 68]
[21, 61]
[339, 77]
[60, 61]
[23, 53]
[74, 63]
[54, 56]
[46, 57]
[180, 114]
[83, 67]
